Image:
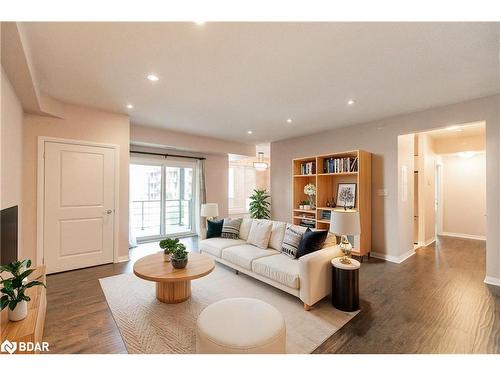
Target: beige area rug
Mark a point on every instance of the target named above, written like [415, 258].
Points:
[149, 326]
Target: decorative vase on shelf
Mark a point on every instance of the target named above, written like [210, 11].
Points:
[20, 311]
[307, 207]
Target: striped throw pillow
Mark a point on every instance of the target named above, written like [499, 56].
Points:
[291, 241]
[231, 228]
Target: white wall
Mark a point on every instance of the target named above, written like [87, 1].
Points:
[464, 195]
[380, 138]
[11, 136]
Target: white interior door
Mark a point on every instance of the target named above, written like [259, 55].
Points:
[79, 196]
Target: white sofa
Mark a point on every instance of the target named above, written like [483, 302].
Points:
[308, 277]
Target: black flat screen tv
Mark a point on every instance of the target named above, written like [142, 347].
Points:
[8, 235]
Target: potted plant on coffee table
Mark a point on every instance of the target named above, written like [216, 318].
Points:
[179, 256]
[14, 287]
[168, 245]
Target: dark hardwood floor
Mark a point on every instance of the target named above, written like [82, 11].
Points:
[434, 302]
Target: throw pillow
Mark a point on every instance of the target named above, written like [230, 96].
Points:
[331, 240]
[291, 241]
[214, 228]
[260, 232]
[277, 234]
[245, 226]
[311, 241]
[231, 228]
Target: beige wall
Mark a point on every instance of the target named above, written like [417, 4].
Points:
[380, 138]
[216, 174]
[464, 195]
[11, 136]
[79, 123]
[151, 136]
[405, 196]
[427, 189]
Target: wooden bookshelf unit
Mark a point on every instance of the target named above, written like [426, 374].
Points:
[326, 182]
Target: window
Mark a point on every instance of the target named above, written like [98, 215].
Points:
[241, 183]
[161, 199]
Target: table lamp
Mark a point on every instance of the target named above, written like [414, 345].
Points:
[344, 223]
[209, 210]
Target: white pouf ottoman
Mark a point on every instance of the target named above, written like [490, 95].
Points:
[240, 325]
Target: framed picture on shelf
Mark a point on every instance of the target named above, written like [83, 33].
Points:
[346, 195]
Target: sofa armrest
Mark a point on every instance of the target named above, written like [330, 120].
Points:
[315, 274]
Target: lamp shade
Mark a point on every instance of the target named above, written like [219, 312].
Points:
[209, 210]
[345, 222]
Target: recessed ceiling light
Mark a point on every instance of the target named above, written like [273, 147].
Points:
[130, 106]
[249, 132]
[452, 128]
[152, 77]
[350, 102]
[289, 120]
[199, 23]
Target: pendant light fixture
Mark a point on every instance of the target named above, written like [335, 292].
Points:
[260, 164]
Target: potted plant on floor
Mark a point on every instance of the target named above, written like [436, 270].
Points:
[179, 256]
[168, 245]
[13, 289]
[259, 204]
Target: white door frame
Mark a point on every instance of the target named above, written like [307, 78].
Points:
[40, 191]
[439, 198]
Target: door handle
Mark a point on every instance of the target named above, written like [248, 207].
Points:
[108, 212]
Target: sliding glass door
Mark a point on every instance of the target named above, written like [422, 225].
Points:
[161, 199]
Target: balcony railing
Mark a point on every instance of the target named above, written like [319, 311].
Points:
[146, 217]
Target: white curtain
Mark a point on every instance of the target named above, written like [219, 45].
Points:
[201, 197]
[132, 241]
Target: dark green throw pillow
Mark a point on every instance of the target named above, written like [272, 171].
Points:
[214, 228]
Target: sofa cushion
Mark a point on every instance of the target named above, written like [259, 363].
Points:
[243, 255]
[245, 226]
[280, 268]
[260, 233]
[231, 228]
[311, 241]
[277, 235]
[291, 241]
[214, 228]
[214, 246]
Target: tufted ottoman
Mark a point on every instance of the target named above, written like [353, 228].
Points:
[240, 325]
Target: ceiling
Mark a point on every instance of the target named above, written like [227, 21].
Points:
[475, 129]
[223, 79]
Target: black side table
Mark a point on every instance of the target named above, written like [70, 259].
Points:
[345, 285]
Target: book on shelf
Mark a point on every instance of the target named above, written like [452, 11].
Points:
[307, 223]
[308, 168]
[340, 165]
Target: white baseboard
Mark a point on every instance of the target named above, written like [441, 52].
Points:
[123, 258]
[393, 259]
[492, 280]
[463, 235]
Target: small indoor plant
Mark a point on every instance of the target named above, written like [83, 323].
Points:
[259, 204]
[13, 288]
[179, 256]
[306, 206]
[168, 245]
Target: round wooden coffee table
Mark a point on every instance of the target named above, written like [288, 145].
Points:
[173, 285]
